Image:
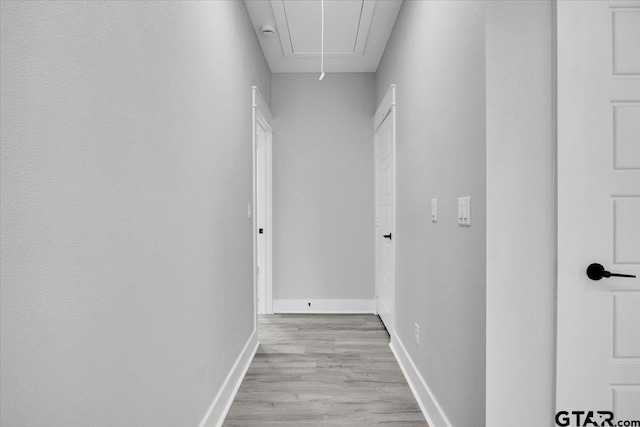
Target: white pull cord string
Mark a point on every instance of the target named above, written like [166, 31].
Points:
[322, 44]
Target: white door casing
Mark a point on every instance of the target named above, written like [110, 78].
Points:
[261, 147]
[598, 339]
[385, 238]
[262, 204]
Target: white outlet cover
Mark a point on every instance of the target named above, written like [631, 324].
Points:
[434, 210]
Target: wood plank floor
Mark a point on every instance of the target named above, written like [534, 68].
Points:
[324, 369]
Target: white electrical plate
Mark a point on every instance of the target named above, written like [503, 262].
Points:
[434, 210]
[464, 211]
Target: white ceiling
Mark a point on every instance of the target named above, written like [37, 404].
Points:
[355, 33]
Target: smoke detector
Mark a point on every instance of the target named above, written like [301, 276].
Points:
[267, 30]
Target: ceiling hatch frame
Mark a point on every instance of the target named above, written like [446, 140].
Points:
[280, 15]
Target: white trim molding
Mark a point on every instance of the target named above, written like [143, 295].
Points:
[260, 104]
[222, 403]
[317, 306]
[262, 117]
[429, 406]
[385, 107]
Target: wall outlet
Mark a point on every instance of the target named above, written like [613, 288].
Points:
[417, 334]
[434, 210]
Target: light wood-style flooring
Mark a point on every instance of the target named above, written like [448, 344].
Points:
[324, 369]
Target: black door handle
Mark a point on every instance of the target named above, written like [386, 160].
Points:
[597, 272]
[387, 236]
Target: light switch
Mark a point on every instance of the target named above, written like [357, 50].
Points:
[434, 210]
[248, 210]
[464, 210]
[467, 206]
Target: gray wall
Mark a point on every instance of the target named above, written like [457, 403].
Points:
[126, 173]
[323, 186]
[436, 57]
[520, 214]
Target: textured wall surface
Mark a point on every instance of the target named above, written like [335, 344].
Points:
[323, 186]
[126, 172]
[436, 56]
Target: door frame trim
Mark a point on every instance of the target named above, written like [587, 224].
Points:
[387, 107]
[261, 116]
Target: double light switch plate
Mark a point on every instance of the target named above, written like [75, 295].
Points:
[464, 210]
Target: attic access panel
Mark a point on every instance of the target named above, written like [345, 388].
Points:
[346, 26]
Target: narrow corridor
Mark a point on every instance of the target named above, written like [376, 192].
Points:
[314, 369]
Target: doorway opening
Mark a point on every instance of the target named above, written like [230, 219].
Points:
[384, 125]
[262, 202]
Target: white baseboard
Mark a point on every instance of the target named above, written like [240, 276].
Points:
[220, 406]
[324, 306]
[428, 404]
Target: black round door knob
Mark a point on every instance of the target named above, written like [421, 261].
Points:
[597, 271]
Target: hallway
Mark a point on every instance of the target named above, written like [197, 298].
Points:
[315, 369]
[319, 212]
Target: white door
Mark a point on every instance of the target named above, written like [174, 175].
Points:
[598, 365]
[261, 146]
[385, 247]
